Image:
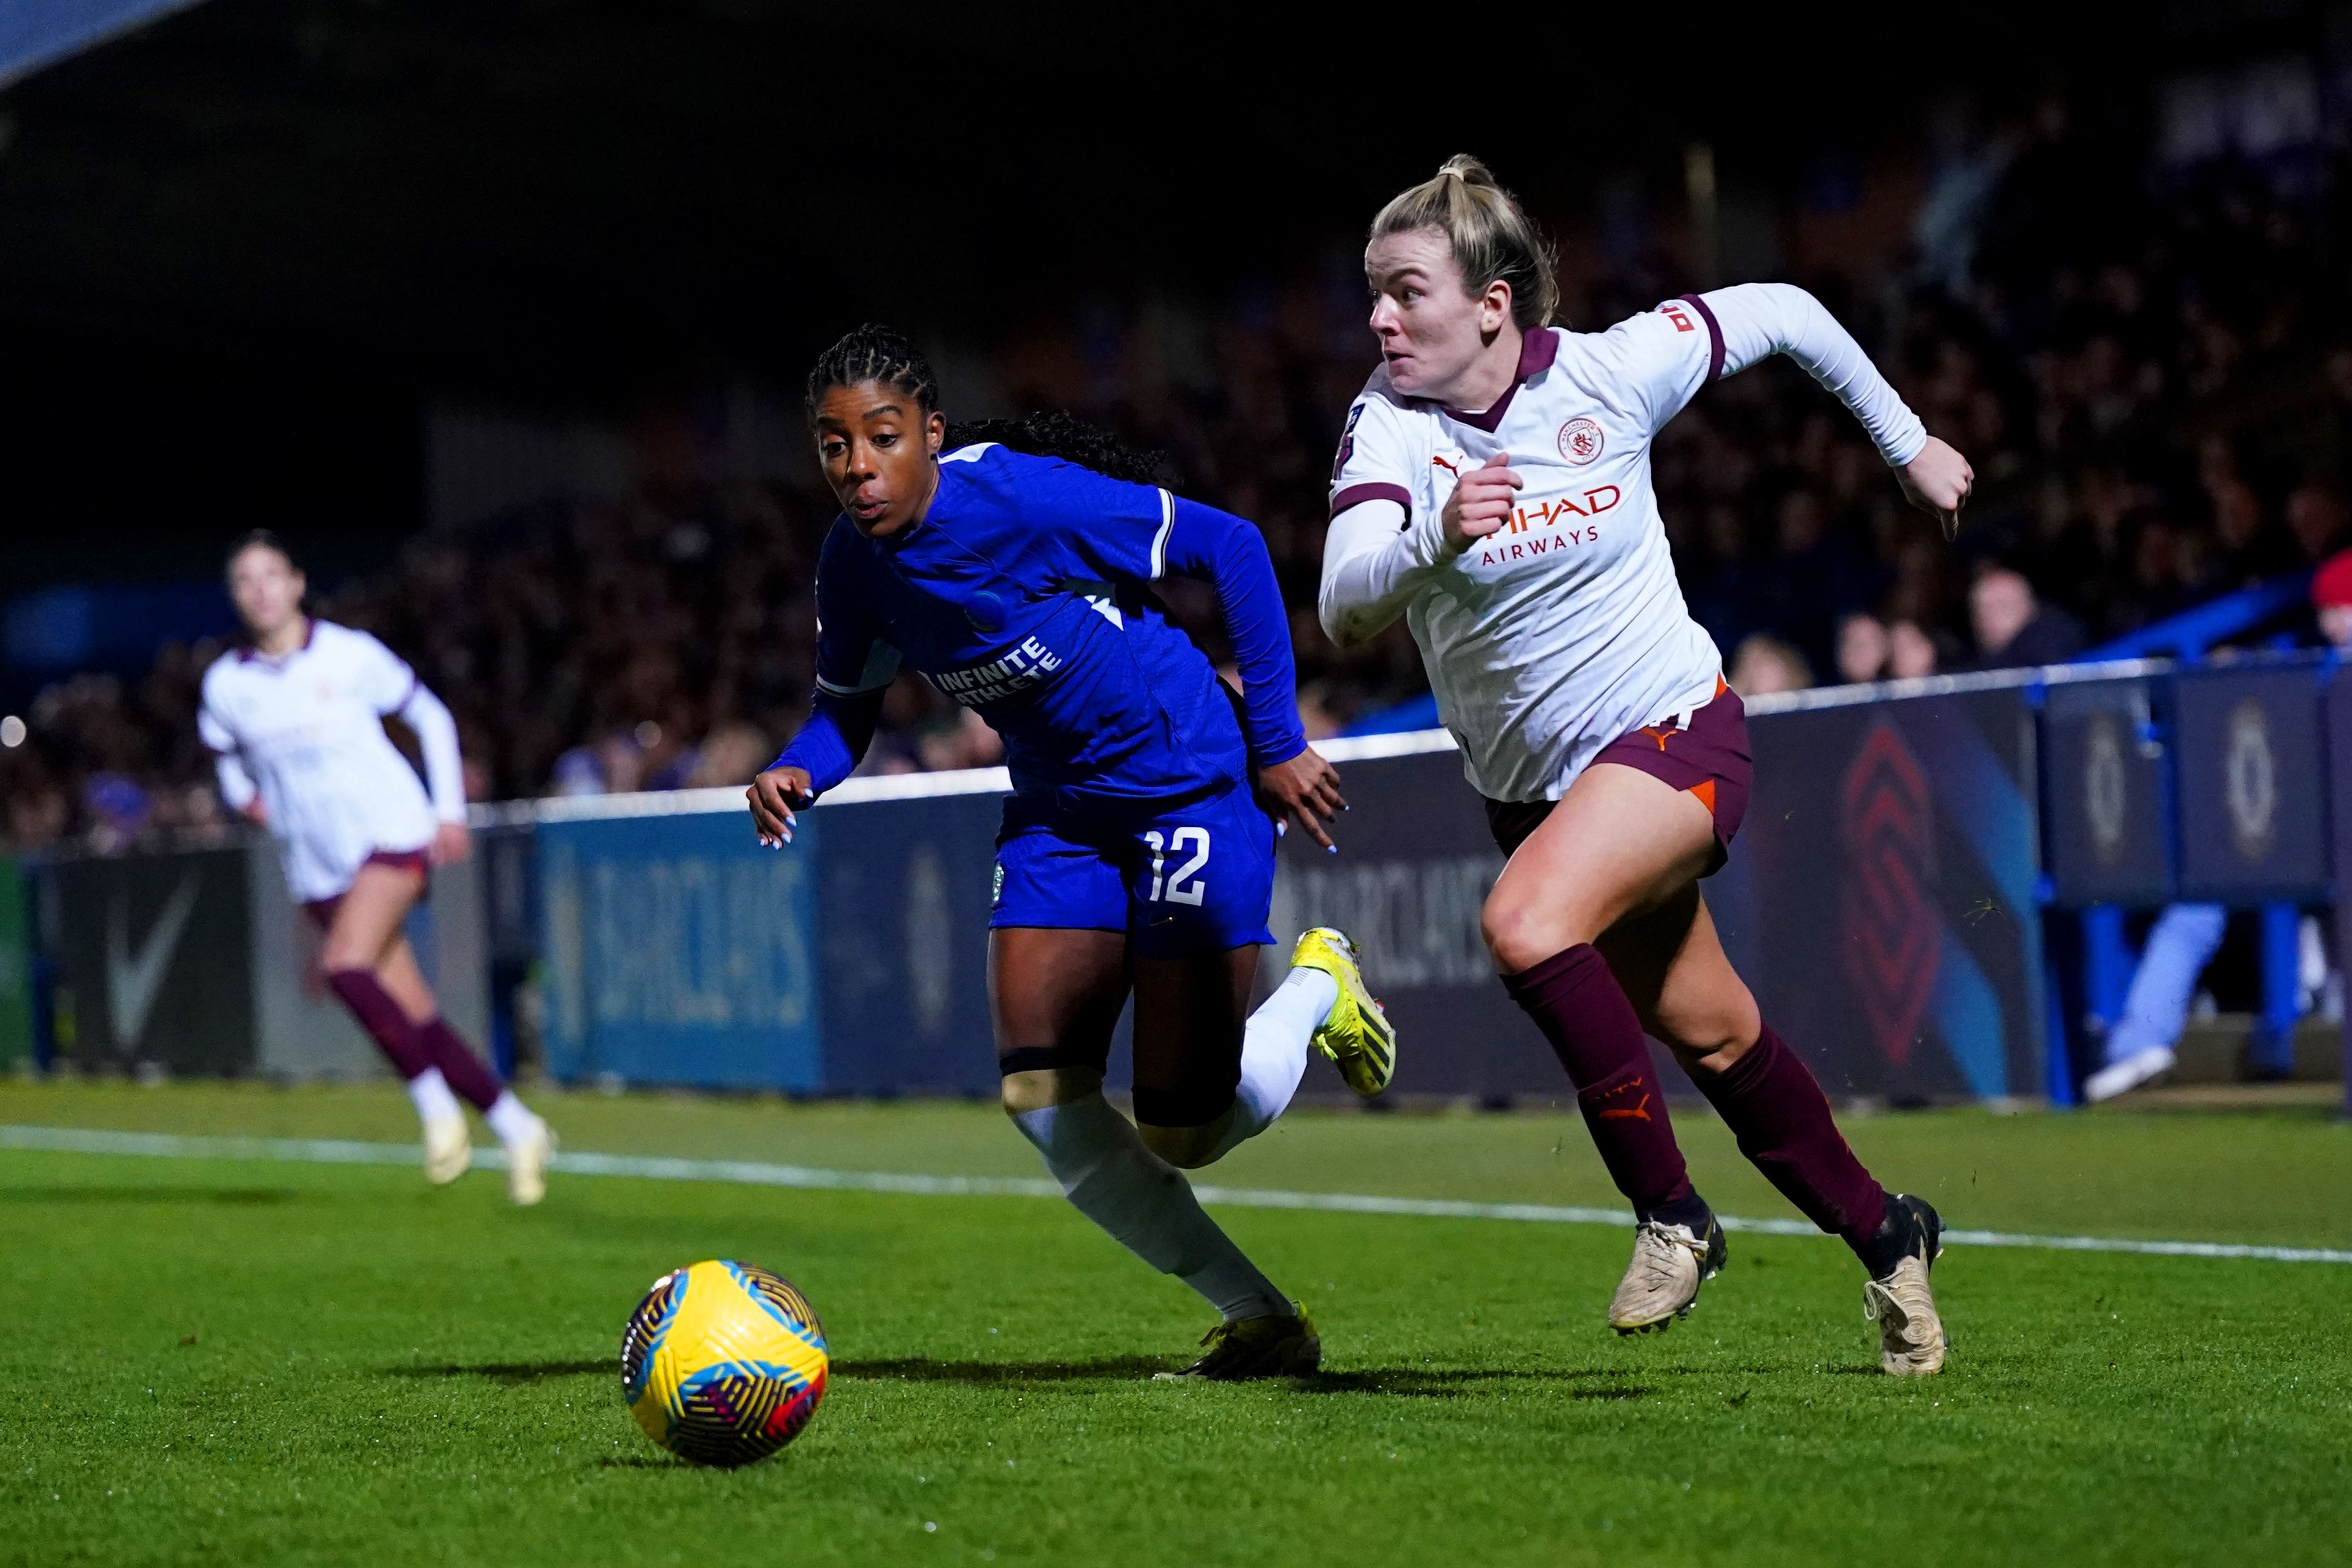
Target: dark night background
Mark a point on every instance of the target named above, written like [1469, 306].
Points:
[241, 245]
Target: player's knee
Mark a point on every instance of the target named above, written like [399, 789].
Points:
[1184, 1125]
[1038, 1089]
[1520, 935]
[335, 955]
[1186, 1147]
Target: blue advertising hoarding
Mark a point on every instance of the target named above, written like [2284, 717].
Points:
[2106, 793]
[679, 952]
[903, 890]
[2252, 780]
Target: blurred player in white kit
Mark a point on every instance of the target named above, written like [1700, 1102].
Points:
[295, 719]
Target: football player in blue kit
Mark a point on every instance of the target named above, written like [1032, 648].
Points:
[1136, 853]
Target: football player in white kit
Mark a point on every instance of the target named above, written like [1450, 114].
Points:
[296, 719]
[1493, 488]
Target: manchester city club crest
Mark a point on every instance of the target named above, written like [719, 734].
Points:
[1579, 440]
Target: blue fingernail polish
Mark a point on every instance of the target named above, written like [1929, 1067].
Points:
[1331, 849]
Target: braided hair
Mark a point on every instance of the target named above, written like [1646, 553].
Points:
[882, 353]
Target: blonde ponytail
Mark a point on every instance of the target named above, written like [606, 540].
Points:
[1493, 241]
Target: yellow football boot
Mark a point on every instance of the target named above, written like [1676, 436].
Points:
[1355, 1034]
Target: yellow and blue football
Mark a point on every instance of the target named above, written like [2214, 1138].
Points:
[723, 1364]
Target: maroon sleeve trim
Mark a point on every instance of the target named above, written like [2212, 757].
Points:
[1380, 490]
[1714, 338]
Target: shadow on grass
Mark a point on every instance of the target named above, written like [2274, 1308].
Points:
[513, 1371]
[991, 1373]
[1421, 1383]
[221, 1197]
[1452, 1382]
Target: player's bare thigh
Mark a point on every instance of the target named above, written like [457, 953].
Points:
[367, 918]
[1054, 990]
[1620, 842]
[1673, 967]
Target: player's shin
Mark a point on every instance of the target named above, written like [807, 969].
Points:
[1776, 1109]
[467, 1073]
[1145, 1204]
[1586, 1016]
[1274, 1056]
[381, 1016]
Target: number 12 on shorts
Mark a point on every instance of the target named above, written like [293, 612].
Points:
[1187, 886]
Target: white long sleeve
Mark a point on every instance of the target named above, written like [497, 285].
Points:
[437, 733]
[237, 785]
[1758, 319]
[1375, 560]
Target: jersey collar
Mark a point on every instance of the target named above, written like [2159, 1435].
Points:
[251, 652]
[1537, 348]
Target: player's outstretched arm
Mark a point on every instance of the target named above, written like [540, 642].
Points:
[1757, 319]
[826, 751]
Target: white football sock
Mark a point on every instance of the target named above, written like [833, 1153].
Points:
[1145, 1205]
[429, 1092]
[509, 1118]
[1273, 1055]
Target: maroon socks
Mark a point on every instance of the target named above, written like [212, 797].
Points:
[414, 1047]
[381, 1016]
[1777, 1111]
[1592, 1029]
[466, 1072]
[1767, 1096]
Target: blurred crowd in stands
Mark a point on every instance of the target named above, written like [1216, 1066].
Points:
[2149, 367]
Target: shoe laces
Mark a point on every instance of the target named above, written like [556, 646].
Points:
[1897, 1301]
[1654, 1251]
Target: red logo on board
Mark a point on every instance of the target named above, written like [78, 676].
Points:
[1580, 441]
[1894, 934]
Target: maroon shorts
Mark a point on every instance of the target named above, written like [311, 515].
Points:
[1710, 759]
[323, 910]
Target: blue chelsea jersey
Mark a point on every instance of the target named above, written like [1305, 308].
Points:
[1024, 596]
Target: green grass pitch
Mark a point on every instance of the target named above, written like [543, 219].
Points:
[263, 1362]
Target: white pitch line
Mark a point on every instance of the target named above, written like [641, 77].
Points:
[755, 1173]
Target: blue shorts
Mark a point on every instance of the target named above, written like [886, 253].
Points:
[1192, 881]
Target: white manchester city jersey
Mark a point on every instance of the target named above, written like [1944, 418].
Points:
[1567, 629]
[308, 730]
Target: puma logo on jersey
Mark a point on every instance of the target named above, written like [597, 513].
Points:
[1639, 1112]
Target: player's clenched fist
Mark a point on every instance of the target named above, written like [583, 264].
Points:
[1482, 501]
[1939, 480]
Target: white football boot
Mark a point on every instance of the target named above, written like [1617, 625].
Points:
[527, 1162]
[1670, 1263]
[1911, 1338]
[447, 1151]
[2140, 1067]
